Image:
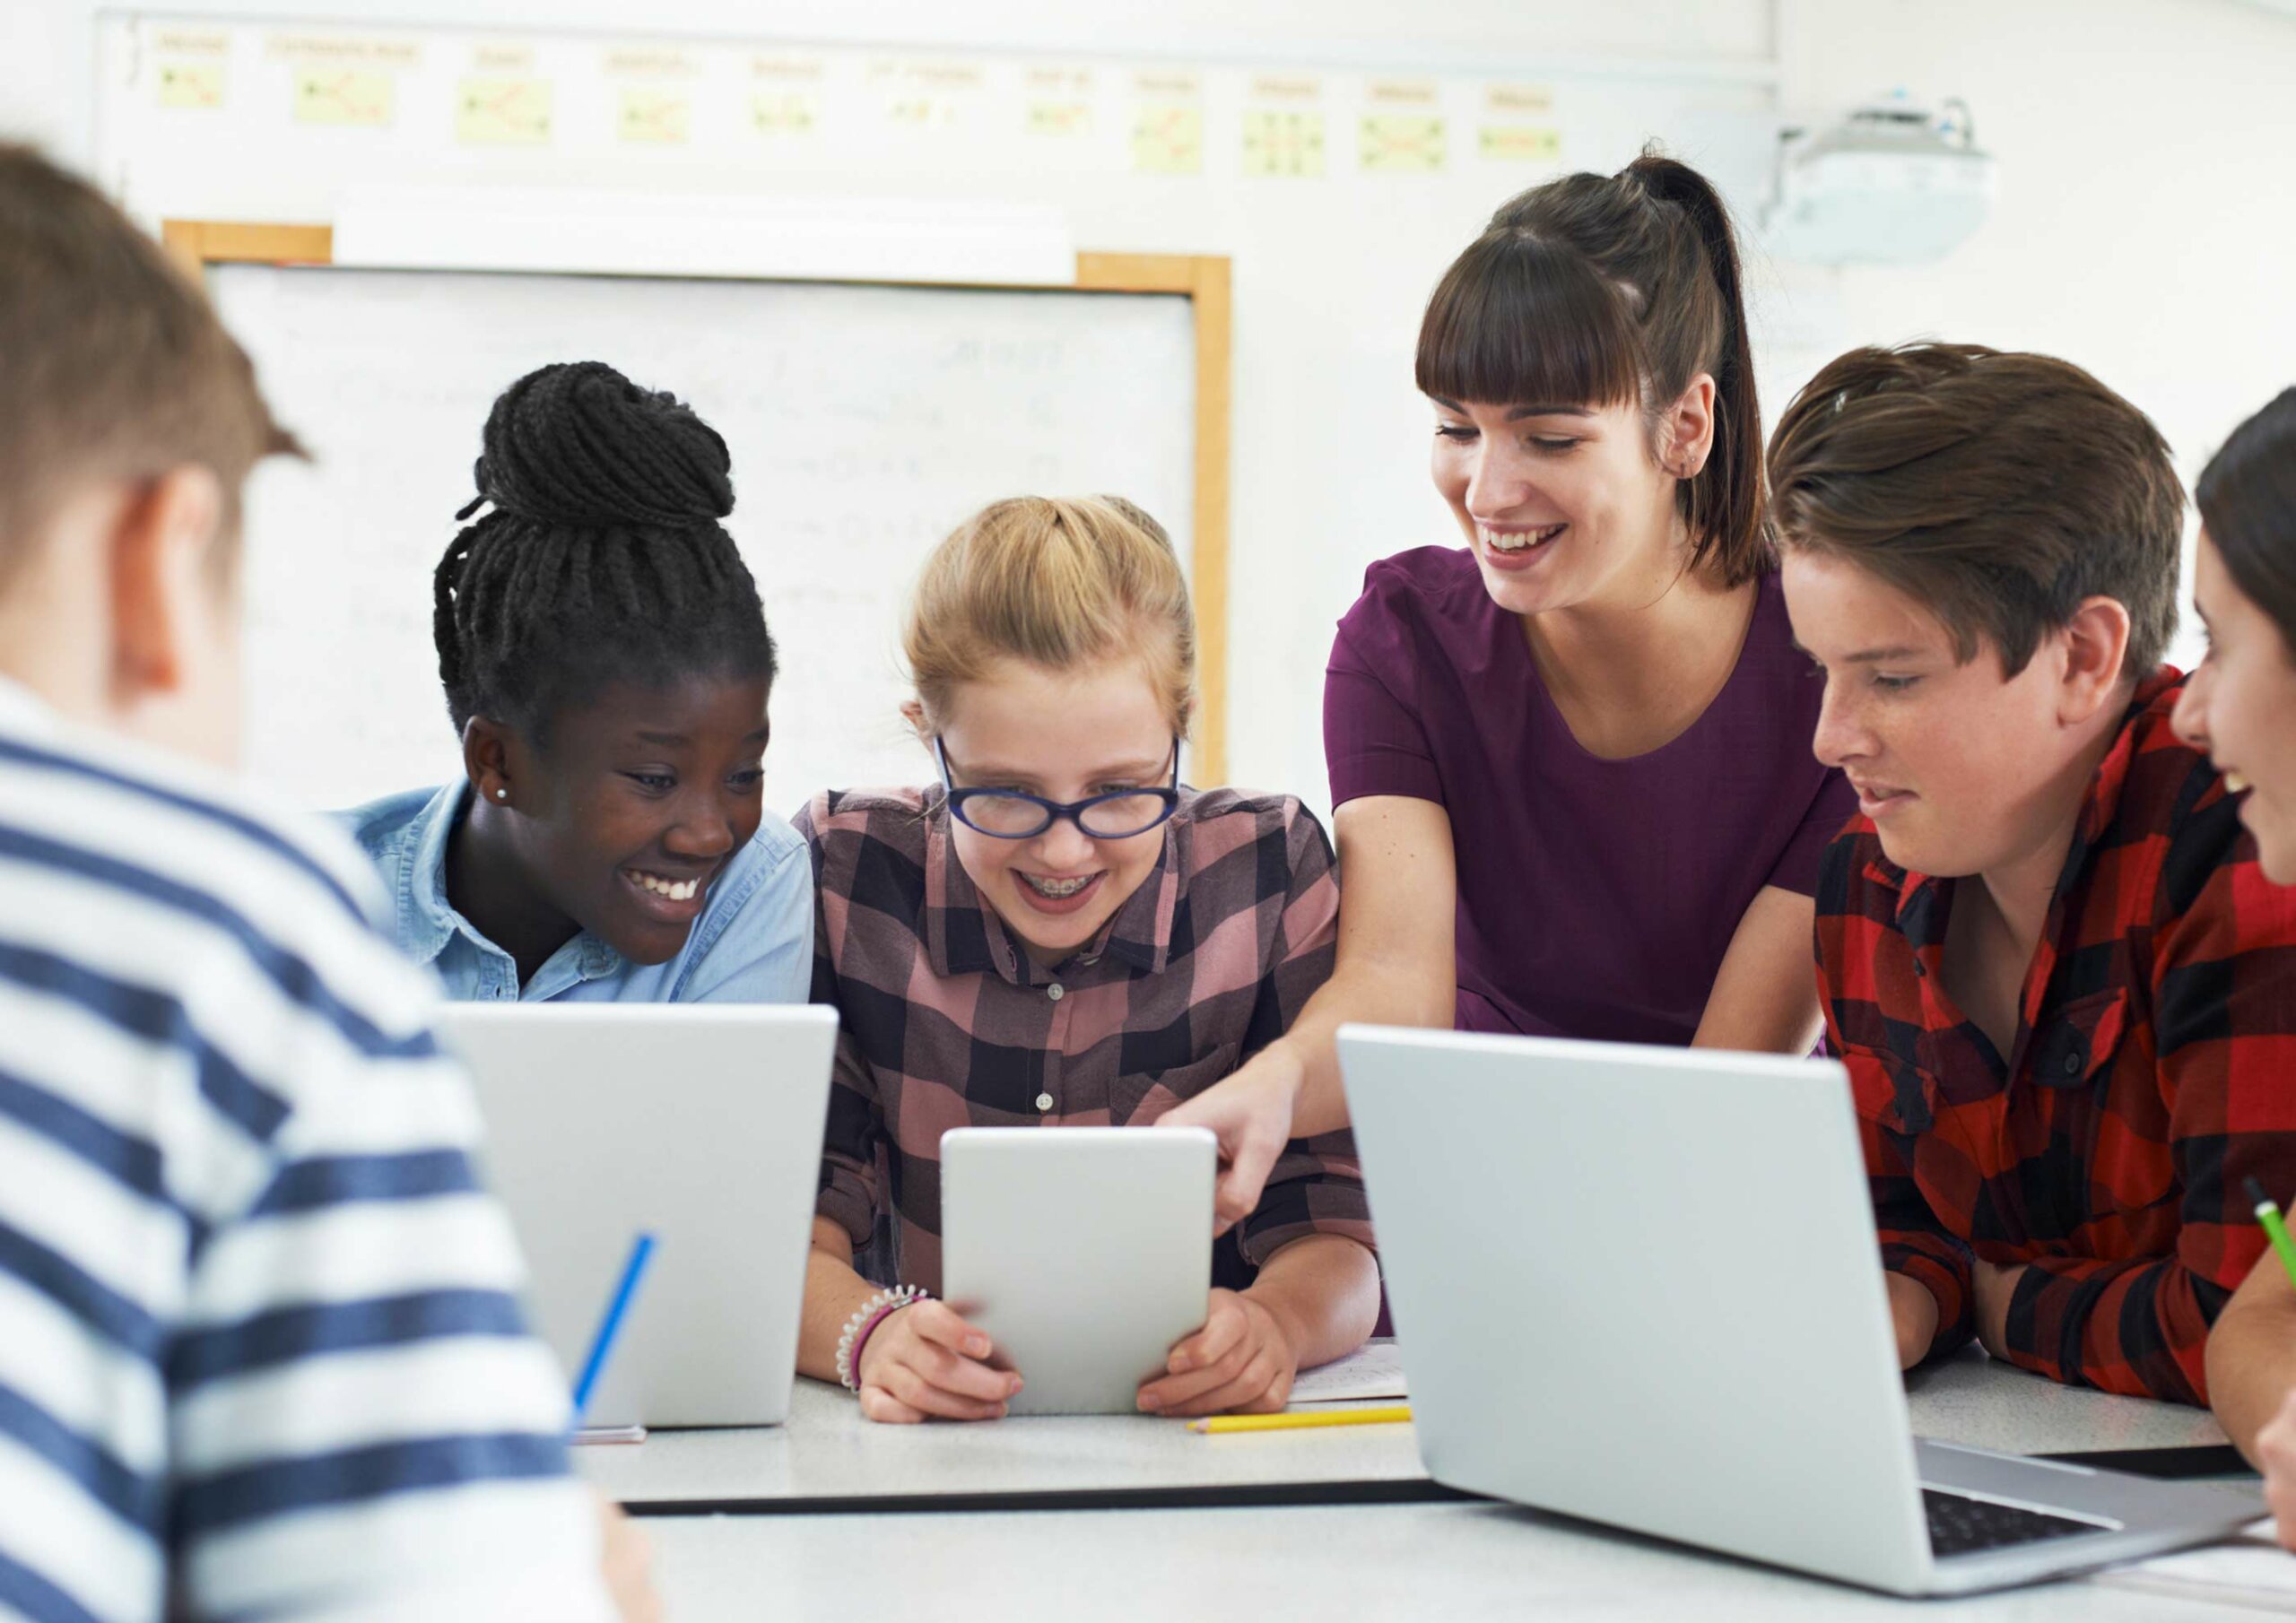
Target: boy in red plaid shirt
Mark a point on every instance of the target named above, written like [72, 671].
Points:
[2065, 991]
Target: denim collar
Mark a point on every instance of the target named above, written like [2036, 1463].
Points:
[428, 920]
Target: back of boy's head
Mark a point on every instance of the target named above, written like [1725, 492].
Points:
[602, 560]
[1996, 488]
[1056, 582]
[113, 369]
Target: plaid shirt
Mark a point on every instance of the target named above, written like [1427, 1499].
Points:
[945, 1020]
[2154, 1068]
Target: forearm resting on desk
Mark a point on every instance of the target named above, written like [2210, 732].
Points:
[1323, 1290]
[834, 1292]
[2251, 1362]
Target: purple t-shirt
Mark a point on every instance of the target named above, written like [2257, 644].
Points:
[1597, 897]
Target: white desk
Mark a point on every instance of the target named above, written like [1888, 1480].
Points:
[827, 1451]
[1458, 1563]
[1357, 1563]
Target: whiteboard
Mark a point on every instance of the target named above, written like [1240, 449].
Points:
[863, 422]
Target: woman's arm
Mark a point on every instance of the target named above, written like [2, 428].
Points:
[1398, 896]
[2251, 1362]
[1765, 996]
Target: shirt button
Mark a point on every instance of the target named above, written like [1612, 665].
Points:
[1044, 1101]
[2073, 1064]
[1056, 991]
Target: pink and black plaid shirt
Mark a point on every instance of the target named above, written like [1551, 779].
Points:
[947, 1022]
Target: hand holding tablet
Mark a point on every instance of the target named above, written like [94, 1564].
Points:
[1084, 1255]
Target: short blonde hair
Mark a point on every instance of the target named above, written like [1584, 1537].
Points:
[1056, 582]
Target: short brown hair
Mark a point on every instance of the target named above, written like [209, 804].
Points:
[112, 365]
[1615, 290]
[1996, 488]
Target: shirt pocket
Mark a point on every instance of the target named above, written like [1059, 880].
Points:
[1138, 1098]
[2116, 1158]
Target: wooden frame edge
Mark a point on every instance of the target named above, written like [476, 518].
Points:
[1203, 280]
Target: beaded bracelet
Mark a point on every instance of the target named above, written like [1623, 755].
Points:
[867, 1318]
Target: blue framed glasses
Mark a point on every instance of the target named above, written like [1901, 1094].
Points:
[1009, 814]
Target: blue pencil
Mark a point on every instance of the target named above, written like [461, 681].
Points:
[602, 1344]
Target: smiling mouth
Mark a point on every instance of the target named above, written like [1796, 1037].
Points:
[1056, 890]
[1518, 541]
[668, 890]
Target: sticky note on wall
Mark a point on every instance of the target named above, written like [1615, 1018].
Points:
[362, 97]
[503, 112]
[1283, 142]
[191, 85]
[652, 116]
[1167, 138]
[1522, 144]
[1400, 144]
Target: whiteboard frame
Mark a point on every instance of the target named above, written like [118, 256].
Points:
[1202, 279]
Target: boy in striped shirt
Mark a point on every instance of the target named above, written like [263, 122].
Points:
[259, 1350]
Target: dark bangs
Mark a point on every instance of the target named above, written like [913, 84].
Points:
[1517, 321]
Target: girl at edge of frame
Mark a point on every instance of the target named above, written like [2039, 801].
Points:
[1571, 761]
[607, 666]
[2236, 705]
[1059, 895]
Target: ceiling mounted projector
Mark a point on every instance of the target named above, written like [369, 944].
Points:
[1892, 184]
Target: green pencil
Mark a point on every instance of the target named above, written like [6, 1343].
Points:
[2268, 1215]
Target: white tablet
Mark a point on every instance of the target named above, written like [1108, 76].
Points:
[1085, 1252]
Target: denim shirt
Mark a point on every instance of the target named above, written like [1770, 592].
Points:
[754, 942]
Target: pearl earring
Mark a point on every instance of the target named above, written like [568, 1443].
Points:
[501, 795]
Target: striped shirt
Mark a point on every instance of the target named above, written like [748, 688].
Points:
[259, 1350]
[945, 1020]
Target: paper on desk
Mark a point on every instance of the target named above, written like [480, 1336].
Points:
[1373, 1371]
[2252, 1570]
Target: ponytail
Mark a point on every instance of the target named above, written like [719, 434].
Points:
[1724, 506]
[1611, 289]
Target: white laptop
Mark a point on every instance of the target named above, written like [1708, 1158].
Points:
[1642, 1286]
[698, 1123]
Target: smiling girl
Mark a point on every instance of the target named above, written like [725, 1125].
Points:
[1058, 933]
[1569, 757]
[607, 665]
[2239, 706]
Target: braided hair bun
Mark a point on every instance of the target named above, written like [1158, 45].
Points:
[602, 558]
[580, 445]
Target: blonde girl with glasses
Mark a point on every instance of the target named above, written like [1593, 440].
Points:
[1058, 932]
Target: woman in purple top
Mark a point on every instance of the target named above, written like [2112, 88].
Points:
[1572, 761]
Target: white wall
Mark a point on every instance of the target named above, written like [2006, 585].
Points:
[2144, 225]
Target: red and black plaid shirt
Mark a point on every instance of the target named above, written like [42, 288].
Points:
[2154, 1068]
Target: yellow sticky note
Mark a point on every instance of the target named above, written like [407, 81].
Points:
[1168, 139]
[1283, 142]
[783, 114]
[1400, 144]
[503, 112]
[336, 95]
[654, 116]
[191, 84]
[1060, 117]
[1521, 144]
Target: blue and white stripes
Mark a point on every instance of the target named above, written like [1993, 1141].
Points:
[259, 1350]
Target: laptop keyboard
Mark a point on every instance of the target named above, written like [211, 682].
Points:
[1958, 1526]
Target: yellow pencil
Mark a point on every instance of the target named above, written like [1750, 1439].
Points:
[1391, 1416]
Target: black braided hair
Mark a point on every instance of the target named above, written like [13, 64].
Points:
[602, 558]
